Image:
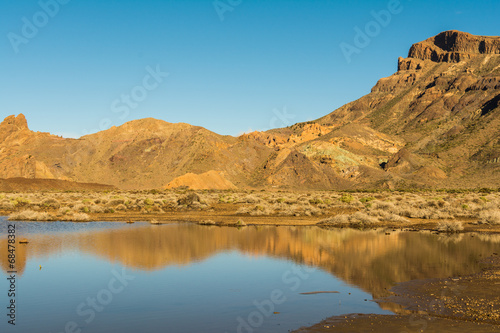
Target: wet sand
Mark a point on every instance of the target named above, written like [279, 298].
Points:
[456, 304]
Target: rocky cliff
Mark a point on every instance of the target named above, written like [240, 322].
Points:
[454, 46]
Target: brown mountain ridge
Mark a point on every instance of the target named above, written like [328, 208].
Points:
[433, 124]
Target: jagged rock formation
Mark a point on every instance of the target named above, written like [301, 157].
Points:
[434, 123]
[454, 46]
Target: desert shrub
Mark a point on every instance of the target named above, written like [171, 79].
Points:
[240, 223]
[315, 201]
[206, 222]
[188, 200]
[346, 198]
[116, 202]
[397, 198]
[121, 207]
[289, 210]
[303, 199]
[80, 217]
[196, 205]
[6, 205]
[256, 210]
[250, 199]
[51, 203]
[386, 216]
[450, 226]
[30, 215]
[491, 216]
[436, 215]
[64, 210]
[311, 210]
[384, 206]
[358, 219]
[78, 207]
[95, 209]
[21, 202]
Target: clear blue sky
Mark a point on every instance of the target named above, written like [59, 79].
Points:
[266, 57]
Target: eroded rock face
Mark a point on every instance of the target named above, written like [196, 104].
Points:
[454, 46]
[12, 125]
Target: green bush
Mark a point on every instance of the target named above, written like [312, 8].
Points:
[315, 201]
[347, 198]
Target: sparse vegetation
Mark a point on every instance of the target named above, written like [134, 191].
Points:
[346, 198]
[450, 226]
[347, 208]
[491, 216]
[30, 215]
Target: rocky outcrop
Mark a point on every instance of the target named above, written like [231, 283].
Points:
[13, 125]
[454, 46]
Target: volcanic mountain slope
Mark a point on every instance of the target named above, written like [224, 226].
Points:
[144, 153]
[434, 123]
[442, 105]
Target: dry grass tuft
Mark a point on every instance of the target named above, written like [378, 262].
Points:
[358, 219]
[491, 216]
[30, 215]
[450, 226]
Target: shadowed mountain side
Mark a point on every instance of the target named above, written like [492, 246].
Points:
[369, 260]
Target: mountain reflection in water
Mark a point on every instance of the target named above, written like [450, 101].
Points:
[370, 260]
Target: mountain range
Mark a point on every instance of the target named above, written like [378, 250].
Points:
[435, 123]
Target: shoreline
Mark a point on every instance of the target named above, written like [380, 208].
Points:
[229, 218]
[457, 304]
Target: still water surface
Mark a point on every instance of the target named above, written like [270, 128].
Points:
[115, 277]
